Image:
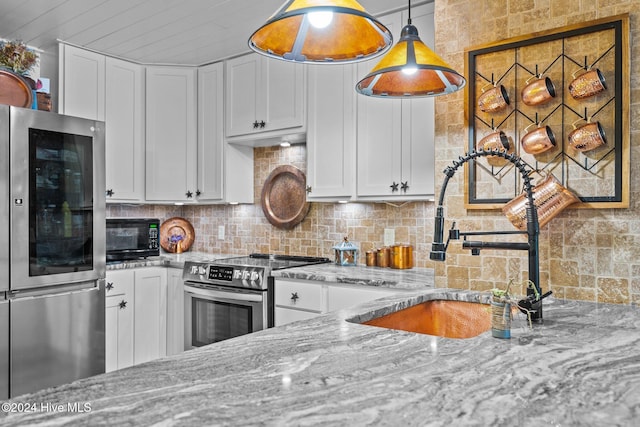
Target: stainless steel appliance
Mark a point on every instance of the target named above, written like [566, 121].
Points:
[231, 297]
[52, 260]
[132, 238]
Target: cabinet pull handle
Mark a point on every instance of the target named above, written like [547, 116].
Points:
[109, 286]
[405, 186]
[394, 187]
[294, 296]
[123, 304]
[189, 194]
[308, 189]
[110, 193]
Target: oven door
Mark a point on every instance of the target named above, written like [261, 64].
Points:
[216, 313]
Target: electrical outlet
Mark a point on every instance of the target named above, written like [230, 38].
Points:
[389, 236]
[221, 232]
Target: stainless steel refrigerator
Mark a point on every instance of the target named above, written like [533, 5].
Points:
[52, 254]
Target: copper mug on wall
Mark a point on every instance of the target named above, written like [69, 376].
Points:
[587, 137]
[538, 140]
[494, 99]
[587, 84]
[497, 140]
[538, 92]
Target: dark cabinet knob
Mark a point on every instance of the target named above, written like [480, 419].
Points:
[110, 193]
[189, 194]
[262, 124]
[308, 189]
[122, 304]
[256, 124]
[405, 186]
[394, 187]
[198, 193]
[109, 286]
[294, 296]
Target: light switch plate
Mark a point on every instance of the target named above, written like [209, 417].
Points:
[221, 232]
[389, 236]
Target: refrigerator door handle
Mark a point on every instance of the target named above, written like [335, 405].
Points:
[55, 291]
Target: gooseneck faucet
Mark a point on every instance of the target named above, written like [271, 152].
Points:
[439, 248]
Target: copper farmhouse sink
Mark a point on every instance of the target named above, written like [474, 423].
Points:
[443, 318]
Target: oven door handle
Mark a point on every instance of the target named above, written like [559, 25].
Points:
[235, 295]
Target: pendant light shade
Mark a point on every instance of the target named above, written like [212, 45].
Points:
[410, 69]
[321, 31]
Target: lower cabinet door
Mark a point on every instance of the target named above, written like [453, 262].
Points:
[118, 333]
[175, 311]
[150, 322]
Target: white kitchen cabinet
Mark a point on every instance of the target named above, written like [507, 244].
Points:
[345, 296]
[225, 172]
[175, 311]
[171, 134]
[150, 314]
[119, 306]
[304, 299]
[396, 136]
[124, 145]
[331, 136]
[298, 300]
[264, 98]
[82, 78]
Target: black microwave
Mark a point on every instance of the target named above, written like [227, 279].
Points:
[132, 238]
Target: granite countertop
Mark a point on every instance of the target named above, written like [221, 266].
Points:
[166, 260]
[414, 278]
[581, 367]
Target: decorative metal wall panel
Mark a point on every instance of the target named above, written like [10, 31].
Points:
[561, 98]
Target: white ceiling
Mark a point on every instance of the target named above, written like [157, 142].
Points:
[189, 32]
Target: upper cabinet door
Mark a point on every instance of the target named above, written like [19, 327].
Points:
[242, 94]
[331, 137]
[284, 86]
[379, 133]
[264, 97]
[211, 132]
[171, 134]
[124, 131]
[83, 83]
[418, 127]
[396, 136]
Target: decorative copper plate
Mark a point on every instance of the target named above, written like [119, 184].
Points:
[14, 90]
[176, 235]
[284, 198]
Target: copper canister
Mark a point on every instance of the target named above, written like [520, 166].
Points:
[371, 258]
[384, 257]
[402, 256]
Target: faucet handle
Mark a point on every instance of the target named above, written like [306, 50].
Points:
[454, 233]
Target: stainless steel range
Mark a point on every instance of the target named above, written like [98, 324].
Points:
[232, 297]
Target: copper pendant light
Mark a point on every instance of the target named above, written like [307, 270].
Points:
[410, 69]
[320, 32]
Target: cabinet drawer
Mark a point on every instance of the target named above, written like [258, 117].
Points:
[306, 296]
[119, 283]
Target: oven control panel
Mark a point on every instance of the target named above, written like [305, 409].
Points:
[236, 276]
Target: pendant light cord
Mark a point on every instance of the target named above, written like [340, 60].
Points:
[409, 21]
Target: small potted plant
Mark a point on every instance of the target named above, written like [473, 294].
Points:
[17, 57]
[501, 312]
